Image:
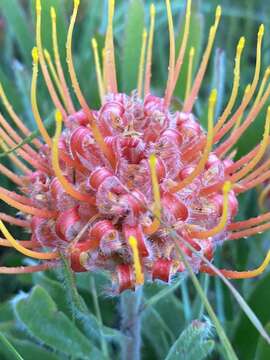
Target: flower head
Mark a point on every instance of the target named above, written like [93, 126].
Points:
[112, 187]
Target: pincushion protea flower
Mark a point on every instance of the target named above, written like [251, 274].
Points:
[108, 190]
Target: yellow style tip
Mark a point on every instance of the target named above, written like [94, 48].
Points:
[218, 12]
[76, 3]
[213, 96]
[144, 33]
[152, 9]
[58, 116]
[192, 51]
[35, 54]
[53, 12]
[241, 43]
[227, 187]
[38, 5]
[94, 43]
[152, 160]
[261, 30]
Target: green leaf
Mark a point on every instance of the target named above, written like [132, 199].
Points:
[19, 25]
[32, 351]
[245, 329]
[8, 349]
[132, 44]
[38, 313]
[263, 348]
[192, 344]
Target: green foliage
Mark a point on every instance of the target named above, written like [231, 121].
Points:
[193, 343]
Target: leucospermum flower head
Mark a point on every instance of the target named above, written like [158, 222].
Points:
[113, 184]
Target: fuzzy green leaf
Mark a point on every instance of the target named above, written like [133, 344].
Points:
[192, 343]
[38, 313]
[8, 350]
[263, 348]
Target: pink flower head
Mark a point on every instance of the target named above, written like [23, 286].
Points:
[122, 188]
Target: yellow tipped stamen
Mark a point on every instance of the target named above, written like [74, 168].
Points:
[263, 146]
[156, 194]
[139, 275]
[43, 65]
[235, 88]
[35, 110]
[23, 250]
[172, 54]
[56, 167]
[188, 105]
[54, 75]
[98, 70]
[14, 158]
[14, 116]
[149, 51]
[110, 68]
[209, 142]
[182, 49]
[142, 63]
[263, 195]
[104, 67]
[190, 69]
[64, 88]
[71, 69]
[223, 219]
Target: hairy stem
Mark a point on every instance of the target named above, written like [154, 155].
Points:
[130, 303]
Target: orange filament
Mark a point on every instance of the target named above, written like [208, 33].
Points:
[139, 275]
[142, 64]
[229, 143]
[248, 95]
[15, 117]
[263, 196]
[56, 167]
[26, 156]
[14, 158]
[98, 70]
[190, 70]
[249, 223]
[25, 269]
[149, 55]
[172, 54]
[263, 146]
[66, 98]
[35, 110]
[26, 208]
[156, 194]
[14, 221]
[188, 105]
[25, 243]
[110, 68]
[223, 219]
[239, 119]
[43, 65]
[235, 88]
[209, 142]
[241, 274]
[182, 49]
[12, 176]
[23, 250]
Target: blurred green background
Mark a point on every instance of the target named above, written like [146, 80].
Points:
[240, 18]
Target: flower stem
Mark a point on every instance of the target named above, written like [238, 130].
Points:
[130, 303]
